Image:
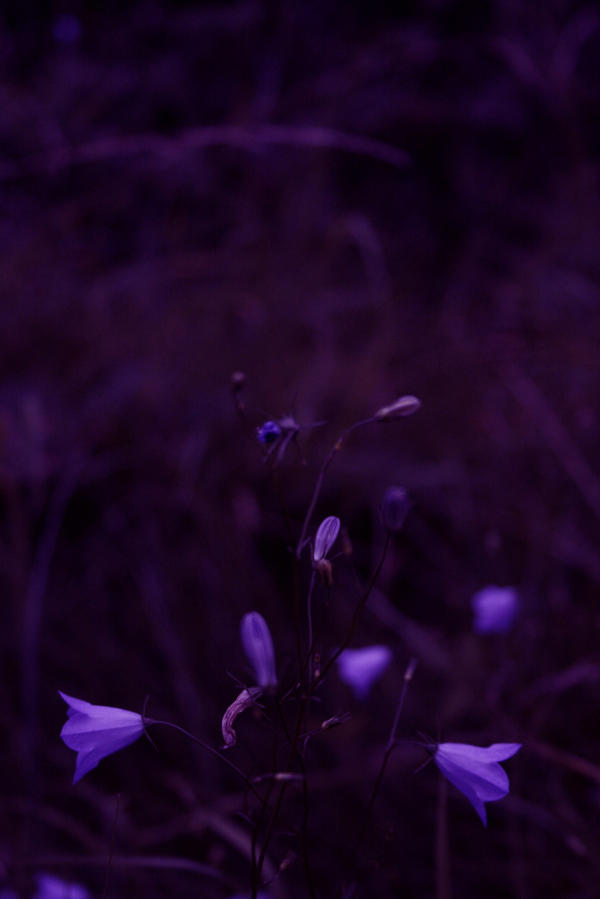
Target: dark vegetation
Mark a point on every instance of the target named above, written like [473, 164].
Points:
[183, 195]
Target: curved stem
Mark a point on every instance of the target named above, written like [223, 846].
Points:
[319, 483]
[208, 748]
[389, 748]
[357, 612]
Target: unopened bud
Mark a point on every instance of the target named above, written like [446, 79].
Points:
[400, 408]
[258, 646]
[395, 508]
[325, 537]
[246, 699]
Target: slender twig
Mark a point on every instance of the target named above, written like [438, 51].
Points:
[357, 613]
[111, 849]
[442, 849]
[210, 749]
[249, 138]
[320, 477]
[389, 748]
[309, 614]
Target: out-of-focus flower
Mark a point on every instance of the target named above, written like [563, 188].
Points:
[50, 887]
[258, 646]
[360, 668]
[494, 609]
[242, 702]
[66, 29]
[400, 408]
[474, 770]
[95, 731]
[268, 432]
[395, 508]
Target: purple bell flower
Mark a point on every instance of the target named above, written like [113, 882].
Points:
[95, 731]
[474, 770]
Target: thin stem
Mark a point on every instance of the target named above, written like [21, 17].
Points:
[389, 748]
[357, 613]
[319, 482]
[210, 749]
[443, 888]
[309, 614]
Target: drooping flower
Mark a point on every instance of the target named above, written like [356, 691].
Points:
[494, 609]
[95, 731]
[474, 770]
[258, 646]
[360, 668]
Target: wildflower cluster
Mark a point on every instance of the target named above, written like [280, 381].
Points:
[96, 731]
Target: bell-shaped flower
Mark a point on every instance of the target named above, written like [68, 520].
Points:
[360, 668]
[325, 537]
[494, 609]
[95, 731]
[474, 770]
[258, 646]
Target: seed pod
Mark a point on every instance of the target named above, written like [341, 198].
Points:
[395, 508]
[400, 408]
[325, 537]
[258, 646]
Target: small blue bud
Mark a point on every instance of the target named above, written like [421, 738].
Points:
[269, 432]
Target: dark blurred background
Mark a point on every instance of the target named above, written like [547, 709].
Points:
[346, 203]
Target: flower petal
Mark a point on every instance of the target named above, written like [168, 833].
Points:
[258, 645]
[325, 537]
[360, 668]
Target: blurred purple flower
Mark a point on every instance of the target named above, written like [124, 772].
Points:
[258, 645]
[95, 731]
[268, 432]
[66, 29]
[474, 770]
[494, 609]
[360, 668]
[325, 537]
[51, 887]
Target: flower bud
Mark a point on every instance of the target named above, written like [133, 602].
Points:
[395, 508]
[400, 408]
[325, 537]
[258, 646]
